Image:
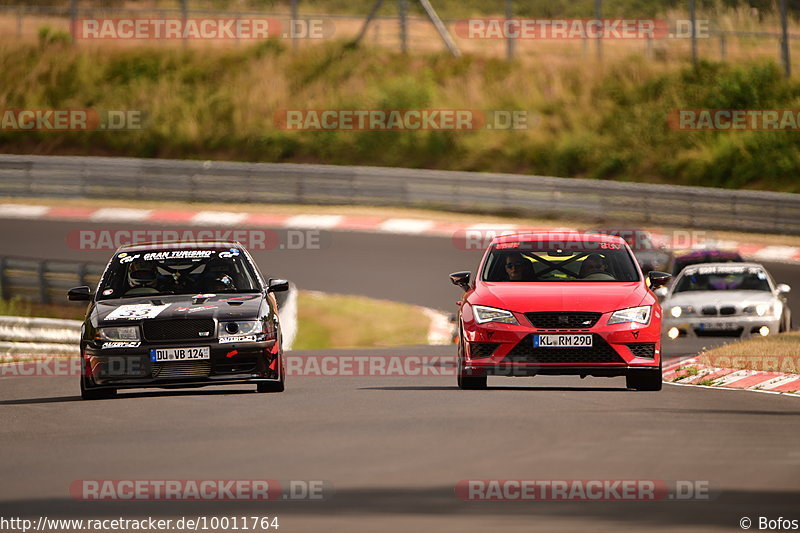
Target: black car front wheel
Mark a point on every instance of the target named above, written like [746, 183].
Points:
[271, 386]
[468, 380]
[645, 380]
[274, 386]
[88, 393]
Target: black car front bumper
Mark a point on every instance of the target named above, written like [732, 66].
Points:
[245, 362]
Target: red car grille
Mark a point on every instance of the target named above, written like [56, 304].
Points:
[563, 320]
[482, 349]
[643, 349]
[600, 352]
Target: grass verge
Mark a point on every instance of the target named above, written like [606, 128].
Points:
[775, 353]
[18, 307]
[589, 119]
[337, 321]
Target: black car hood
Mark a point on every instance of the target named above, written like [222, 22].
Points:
[221, 306]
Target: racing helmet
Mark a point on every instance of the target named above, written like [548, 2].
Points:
[222, 282]
[142, 274]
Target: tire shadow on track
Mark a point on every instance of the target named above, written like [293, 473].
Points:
[509, 389]
[129, 396]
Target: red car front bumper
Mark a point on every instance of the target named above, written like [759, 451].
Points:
[495, 348]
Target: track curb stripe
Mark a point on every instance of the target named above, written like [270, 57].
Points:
[375, 224]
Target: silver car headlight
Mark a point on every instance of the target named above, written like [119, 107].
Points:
[761, 309]
[639, 315]
[485, 314]
[118, 333]
[677, 311]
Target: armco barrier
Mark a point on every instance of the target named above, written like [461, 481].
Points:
[536, 196]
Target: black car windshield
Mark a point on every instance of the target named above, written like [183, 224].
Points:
[563, 261]
[723, 279]
[175, 271]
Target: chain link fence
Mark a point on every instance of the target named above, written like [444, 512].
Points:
[417, 25]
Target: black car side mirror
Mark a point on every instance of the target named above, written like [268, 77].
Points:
[277, 285]
[80, 294]
[461, 279]
[658, 279]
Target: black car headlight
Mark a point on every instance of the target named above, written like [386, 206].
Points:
[246, 330]
[117, 333]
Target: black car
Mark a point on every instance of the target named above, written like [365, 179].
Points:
[177, 315]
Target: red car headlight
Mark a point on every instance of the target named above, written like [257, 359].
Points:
[485, 314]
[639, 315]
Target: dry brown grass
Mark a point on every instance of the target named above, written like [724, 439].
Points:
[774, 353]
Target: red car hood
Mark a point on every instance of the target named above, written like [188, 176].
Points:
[598, 297]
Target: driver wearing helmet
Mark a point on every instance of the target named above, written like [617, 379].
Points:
[218, 276]
[142, 277]
[222, 282]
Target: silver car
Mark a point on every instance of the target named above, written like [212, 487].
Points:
[725, 300]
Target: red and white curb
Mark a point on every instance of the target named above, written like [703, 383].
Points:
[690, 372]
[440, 328]
[372, 224]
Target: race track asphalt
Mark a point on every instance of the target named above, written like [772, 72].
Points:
[391, 448]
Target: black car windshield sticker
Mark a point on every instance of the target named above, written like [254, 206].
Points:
[178, 254]
[136, 312]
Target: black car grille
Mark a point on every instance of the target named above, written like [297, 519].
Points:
[181, 369]
[727, 310]
[237, 365]
[600, 352]
[563, 320]
[718, 332]
[180, 329]
[709, 310]
[481, 349]
[643, 349]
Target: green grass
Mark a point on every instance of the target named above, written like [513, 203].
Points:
[18, 307]
[15, 307]
[337, 321]
[601, 121]
[707, 382]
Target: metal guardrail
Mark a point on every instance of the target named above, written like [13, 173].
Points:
[38, 337]
[596, 201]
[45, 281]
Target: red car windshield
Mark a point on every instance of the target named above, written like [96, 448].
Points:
[570, 261]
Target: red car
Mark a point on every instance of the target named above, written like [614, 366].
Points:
[559, 303]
